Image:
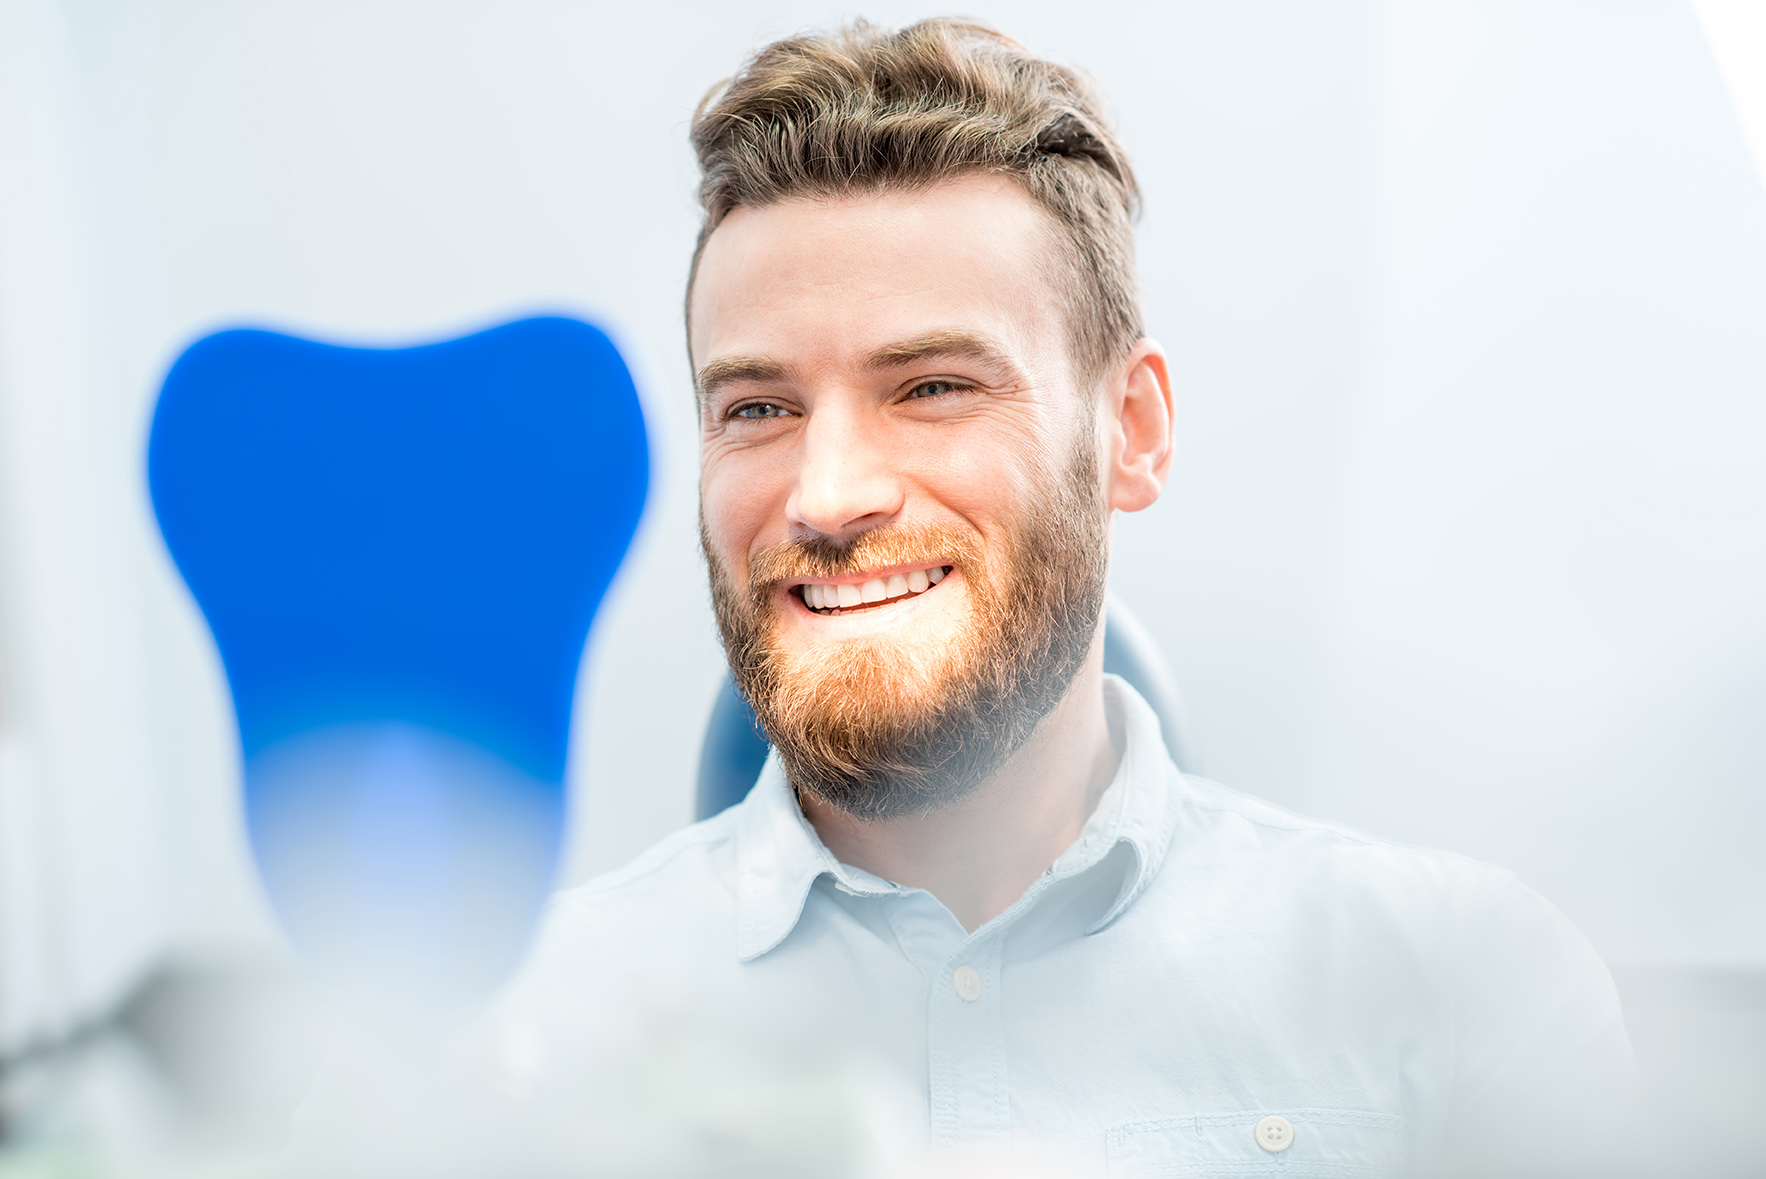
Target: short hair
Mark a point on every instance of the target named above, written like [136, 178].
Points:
[862, 109]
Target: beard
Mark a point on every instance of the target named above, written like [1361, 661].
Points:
[883, 728]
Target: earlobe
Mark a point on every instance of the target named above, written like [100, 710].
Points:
[1141, 447]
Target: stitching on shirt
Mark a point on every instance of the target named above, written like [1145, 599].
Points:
[1266, 814]
[1370, 1119]
[1191, 1127]
[1201, 1170]
[769, 930]
[715, 830]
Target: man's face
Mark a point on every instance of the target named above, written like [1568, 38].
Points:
[899, 491]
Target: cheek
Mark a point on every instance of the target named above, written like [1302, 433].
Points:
[736, 504]
[988, 479]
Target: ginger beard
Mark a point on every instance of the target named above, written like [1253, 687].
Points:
[882, 728]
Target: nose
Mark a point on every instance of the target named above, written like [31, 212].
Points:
[846, 481]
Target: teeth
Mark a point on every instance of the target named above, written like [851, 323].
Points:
[822, 596]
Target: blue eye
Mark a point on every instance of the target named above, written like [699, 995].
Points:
[933, 389]
[759, 411]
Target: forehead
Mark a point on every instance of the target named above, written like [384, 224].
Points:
[823, 282]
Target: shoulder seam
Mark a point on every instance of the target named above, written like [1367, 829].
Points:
[1280, 818]
[650, 861]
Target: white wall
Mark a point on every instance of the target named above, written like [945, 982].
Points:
[1463, 298]
[83, 882]
[1470, 547]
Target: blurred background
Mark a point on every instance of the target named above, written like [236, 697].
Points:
[1465, 545]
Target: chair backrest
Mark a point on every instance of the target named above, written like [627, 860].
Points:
[735, 748]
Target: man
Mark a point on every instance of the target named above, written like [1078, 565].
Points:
[971, 900]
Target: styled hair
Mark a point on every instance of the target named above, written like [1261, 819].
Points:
[861, 110]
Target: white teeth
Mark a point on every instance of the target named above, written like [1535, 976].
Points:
[819, 595]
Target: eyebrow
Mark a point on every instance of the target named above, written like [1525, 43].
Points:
[728, 370]
[939, 344]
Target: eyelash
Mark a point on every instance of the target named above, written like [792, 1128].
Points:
[917, 393]
[741, 411]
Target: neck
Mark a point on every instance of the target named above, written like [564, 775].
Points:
[977, 855]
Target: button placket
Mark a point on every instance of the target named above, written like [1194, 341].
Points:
[970, 1095]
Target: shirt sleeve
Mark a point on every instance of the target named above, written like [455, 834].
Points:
[1543, 1080]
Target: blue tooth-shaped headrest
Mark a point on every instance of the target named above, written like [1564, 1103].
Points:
[400, 552]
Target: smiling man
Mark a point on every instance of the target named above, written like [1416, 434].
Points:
[906, 484]
[971, 899]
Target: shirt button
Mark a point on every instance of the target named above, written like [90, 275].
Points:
[967, 981]
[1275, 1133]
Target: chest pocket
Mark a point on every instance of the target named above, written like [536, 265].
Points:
[1319, 1144]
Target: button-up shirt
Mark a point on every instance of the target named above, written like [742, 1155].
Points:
[1202, 984]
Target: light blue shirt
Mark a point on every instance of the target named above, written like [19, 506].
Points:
[1201, 976]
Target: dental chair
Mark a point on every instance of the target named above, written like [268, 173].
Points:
[735, 748]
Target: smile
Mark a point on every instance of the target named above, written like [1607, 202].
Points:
[828, 599]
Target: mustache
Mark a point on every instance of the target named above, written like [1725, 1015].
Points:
[877, 548]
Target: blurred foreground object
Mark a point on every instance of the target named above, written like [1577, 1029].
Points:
[400, 553]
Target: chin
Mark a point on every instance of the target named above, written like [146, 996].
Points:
[876, 675]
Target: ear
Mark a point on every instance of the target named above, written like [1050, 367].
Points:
[1135, 420]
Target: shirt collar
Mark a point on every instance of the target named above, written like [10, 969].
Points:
[779, 856]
